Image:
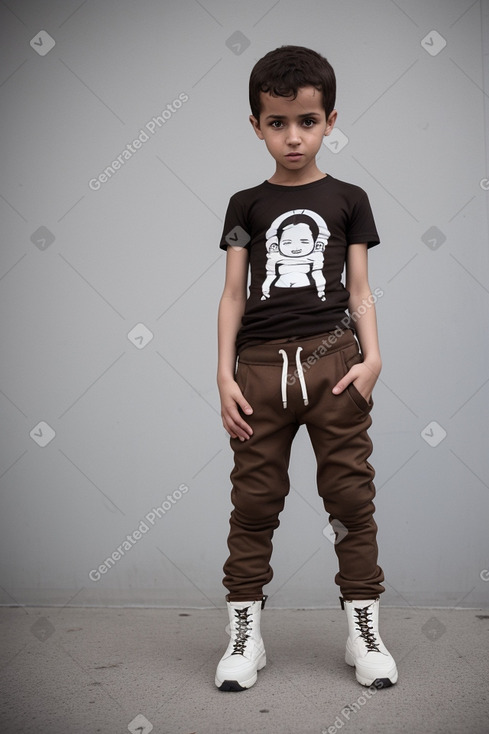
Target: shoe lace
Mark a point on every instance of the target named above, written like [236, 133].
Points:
[363, 621]
[243, 628]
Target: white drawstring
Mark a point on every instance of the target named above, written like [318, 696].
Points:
[300, 374]
[285, 368]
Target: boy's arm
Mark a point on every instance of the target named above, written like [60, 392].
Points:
[231, 308]
[365, 374]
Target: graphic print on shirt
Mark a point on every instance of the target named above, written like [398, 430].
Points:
[295, 246]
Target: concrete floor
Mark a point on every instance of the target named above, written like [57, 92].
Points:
[73, 670]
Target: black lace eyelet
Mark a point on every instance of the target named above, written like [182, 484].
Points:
[243, 623]
[363, 626]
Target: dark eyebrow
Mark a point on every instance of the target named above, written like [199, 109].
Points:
[284, 117]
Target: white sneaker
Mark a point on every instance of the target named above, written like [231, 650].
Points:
[374, 665]
[245, 654]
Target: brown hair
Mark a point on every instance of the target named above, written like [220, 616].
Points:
[285, 70]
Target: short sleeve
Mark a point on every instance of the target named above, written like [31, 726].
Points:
[235, 232]
[361, 226]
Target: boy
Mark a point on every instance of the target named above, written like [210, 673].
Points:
[288, 356]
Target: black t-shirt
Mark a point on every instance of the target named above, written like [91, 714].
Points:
[297, 237]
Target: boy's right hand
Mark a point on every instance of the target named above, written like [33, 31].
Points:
[231, 398]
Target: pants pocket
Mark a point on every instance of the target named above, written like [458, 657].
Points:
[351, 356]
[241, 376]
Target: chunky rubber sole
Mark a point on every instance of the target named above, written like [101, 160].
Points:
[241, 685]
[364, 679]
[233, 685]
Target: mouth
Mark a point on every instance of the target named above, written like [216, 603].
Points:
[293, 156]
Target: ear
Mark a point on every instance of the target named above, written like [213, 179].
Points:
[330, 122]
[255, 124]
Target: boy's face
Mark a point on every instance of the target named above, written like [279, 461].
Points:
[296, 240]
[293, 129]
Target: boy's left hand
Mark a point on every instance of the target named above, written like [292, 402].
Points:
[363, 376]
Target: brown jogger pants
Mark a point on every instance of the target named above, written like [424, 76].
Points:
[289, 383]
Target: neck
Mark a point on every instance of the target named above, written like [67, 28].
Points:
[285, 177]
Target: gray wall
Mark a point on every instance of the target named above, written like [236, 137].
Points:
[101, 424]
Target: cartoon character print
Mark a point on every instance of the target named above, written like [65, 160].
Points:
[295, 246]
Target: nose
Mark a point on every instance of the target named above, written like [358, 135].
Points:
[293, 136]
